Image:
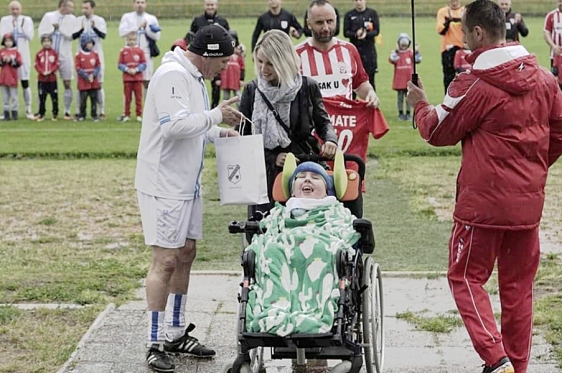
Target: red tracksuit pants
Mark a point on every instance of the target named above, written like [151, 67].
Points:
[472, 254]
[129, 88]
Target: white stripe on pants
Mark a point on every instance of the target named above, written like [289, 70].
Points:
[10, 95]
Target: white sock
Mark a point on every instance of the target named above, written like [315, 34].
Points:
[67, 99]
[175, 316]
[27, 99]
[101, 101]
[156, 334]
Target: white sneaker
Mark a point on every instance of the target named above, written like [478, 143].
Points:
[125, 119]
[139, 119]
[29, 115]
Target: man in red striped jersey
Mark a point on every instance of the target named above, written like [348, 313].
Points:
[335, 64]
[553, 31]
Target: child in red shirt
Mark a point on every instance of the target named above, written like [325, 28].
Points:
[132, 63]
[460, 63]
[403, 59]
[232, 78]
[88, 67]
[10, 60]
[47, 64]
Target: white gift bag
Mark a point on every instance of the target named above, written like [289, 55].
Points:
[241, 170]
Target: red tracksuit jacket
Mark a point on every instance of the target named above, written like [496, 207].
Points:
[131, 57]
[47, 60]
[87, 63]
[9, 72]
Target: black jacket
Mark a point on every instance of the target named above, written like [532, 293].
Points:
[269, 21]
[205, 20]
[308, 32]
[512, 30]
[353, 21]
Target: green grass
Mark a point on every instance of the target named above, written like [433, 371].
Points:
[443, 323]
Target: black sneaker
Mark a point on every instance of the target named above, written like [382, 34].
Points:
[158, 360]
[188, 345]
[502, 366]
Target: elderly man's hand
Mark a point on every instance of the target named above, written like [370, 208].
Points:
[229, 133]
[230, 115]
[328, 150]
[415, 93]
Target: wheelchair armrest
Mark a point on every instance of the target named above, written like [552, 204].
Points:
[365, 229]
[251, 227]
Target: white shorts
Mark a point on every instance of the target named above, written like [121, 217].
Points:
[147, 73]
[23, 72]
[168, 223]
[66, 68]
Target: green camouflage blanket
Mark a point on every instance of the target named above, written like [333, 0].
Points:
[296, 289]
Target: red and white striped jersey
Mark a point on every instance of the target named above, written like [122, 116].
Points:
[338, 70]
[553, 25]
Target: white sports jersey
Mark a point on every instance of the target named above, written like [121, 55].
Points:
[23, 32]
[553, 25]
[62, 38]
[100, 24]
[132, 21]
[338, 71]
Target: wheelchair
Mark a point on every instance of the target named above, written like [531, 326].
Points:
[357, 335]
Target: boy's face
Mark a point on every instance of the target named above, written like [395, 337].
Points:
[47, 43]
[403, 45]
[132, 40]
[89, 45]
[9, 43]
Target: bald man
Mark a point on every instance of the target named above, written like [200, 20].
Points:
[21, 27]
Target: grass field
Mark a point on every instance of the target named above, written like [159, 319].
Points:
[71, 232]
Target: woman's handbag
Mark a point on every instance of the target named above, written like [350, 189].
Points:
[241, 170]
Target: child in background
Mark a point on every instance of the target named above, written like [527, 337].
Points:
[232, 78]
[460, 63]
[403, 59]
[10, 60]
[47, 64]
[132, 63]
[88, 67]
[557, 68]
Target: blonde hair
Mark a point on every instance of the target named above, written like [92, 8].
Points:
[280, 51]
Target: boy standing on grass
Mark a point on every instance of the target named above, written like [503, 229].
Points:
[47, 64]
[132, 63]
[403, 59]
[88, 67]
[10, 60]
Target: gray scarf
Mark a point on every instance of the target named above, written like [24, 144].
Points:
[264, 121]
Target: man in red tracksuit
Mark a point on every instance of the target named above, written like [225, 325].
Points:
[47, 64]
[132, 63]
[507, 113]
[88, 67]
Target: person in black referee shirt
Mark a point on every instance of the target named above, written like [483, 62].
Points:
[276, 18]
[361, 25]
[210, 17]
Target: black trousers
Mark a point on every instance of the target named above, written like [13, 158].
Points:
[93, 95]
[448, 62]
[48, 89]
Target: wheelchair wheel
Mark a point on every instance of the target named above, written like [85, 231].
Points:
[373, 312]
[343, 367]
[256, 360]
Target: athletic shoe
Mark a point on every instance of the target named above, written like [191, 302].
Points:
[102, 116]
[401, 117]
[407, 117]
[502, 366]
[125, 119]
[188, 345]
[29, 115]
[96, 119]
[139, 118]
[158, 360]
[67, 116]
[54, 118]
[39, 118]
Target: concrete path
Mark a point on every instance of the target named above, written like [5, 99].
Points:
[115, 342]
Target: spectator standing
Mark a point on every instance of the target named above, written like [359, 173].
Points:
[132, 63]
[22, 29]
[449, 27]
[461, 65]
[10, 61]
[148, 31]
[92, 26]
[552, 32]
[61, 25]
[514, 24]
[507, 114]
[232, 78]
[88, 67]
[177, 122]
[47, 64]
[276, 18]
[361, 25]
[210, 17]
[403, 59]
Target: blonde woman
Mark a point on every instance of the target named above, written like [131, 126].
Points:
[284, 107]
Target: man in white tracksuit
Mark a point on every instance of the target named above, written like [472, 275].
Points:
[91, 26]
[146, 26]
[177, 121]
[61, 24]
[21, 27]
